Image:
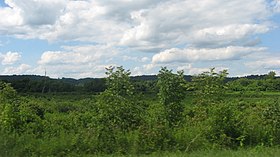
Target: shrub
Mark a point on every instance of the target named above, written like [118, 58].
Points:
[171, 94]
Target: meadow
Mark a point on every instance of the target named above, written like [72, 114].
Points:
[206, 116]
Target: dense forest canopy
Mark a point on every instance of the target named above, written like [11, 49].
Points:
[34, 83]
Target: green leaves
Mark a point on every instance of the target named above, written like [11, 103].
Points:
[8, 108]
[116, 105]
[209, 84]
[171, 86]
[118, 81]
[118, 111]
[7, 93]
[171, 93]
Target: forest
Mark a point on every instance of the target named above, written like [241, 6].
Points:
[120, 115]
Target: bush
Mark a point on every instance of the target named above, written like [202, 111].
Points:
[171, 94]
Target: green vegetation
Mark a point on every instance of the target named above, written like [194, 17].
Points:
[207, 116]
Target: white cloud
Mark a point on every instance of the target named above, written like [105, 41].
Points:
[269, 63]
[77, 55]
[73, 71]
[146, 69]
[33, 12]
[177, 31]
[234, 34]
[144, 25]
[135, 59]
[277, 6]
[205, 54]
[21, 69]
[190, 70]
[9, 58]
[189, 22]
[13, 17]
[77, 61]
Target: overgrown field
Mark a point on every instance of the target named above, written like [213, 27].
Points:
[198, 118]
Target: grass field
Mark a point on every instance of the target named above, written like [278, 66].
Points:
[71, 124]
[253, 152]
[250, 152]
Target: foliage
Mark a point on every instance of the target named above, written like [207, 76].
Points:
[155, 132]
[7, 93]
[209, 85]
[118, 81]
[171, 93]
[119, 121]
[8, 108]
[96, 85]
[117, 111]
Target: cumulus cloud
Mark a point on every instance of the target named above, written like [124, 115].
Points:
[9, 58]
[194, 22]
[277, 6]
[81, 71]
[43, 12]
[269, 63]
[13, 17]
[190, 70]
[144, 25]
[205, 54]
[77, 61]
[135, 59]
[77, 55]
[234, 34]
[174, 31]
[21, 69]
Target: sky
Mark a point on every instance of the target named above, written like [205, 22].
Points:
[80, 38]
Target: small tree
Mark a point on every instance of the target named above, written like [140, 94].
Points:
[118, 112]
[171, 93]
[209, 85]
[16, 115]
[8, 116]
[270, 81]
[271, 75]
[118, 81]
[7, 93]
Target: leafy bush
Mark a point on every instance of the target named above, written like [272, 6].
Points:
[209, 86]
[171, 93]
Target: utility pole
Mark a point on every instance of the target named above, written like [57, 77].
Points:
[45, 81]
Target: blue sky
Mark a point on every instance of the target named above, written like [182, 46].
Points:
[80, 38]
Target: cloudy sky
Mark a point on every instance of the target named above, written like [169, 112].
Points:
[79, 38]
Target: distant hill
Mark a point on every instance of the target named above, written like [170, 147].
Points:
[36, 83]
[9, 78]
[21, 77]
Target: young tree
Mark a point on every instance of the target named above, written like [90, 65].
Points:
[7, 109]
[209, 84]
[7, 92]
[16, 115]
[270, 83]
[171, 93]
[271, 75]
[118, 111]
[117, 105]
[118, 81]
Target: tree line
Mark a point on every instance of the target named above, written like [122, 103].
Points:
[145, 83]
